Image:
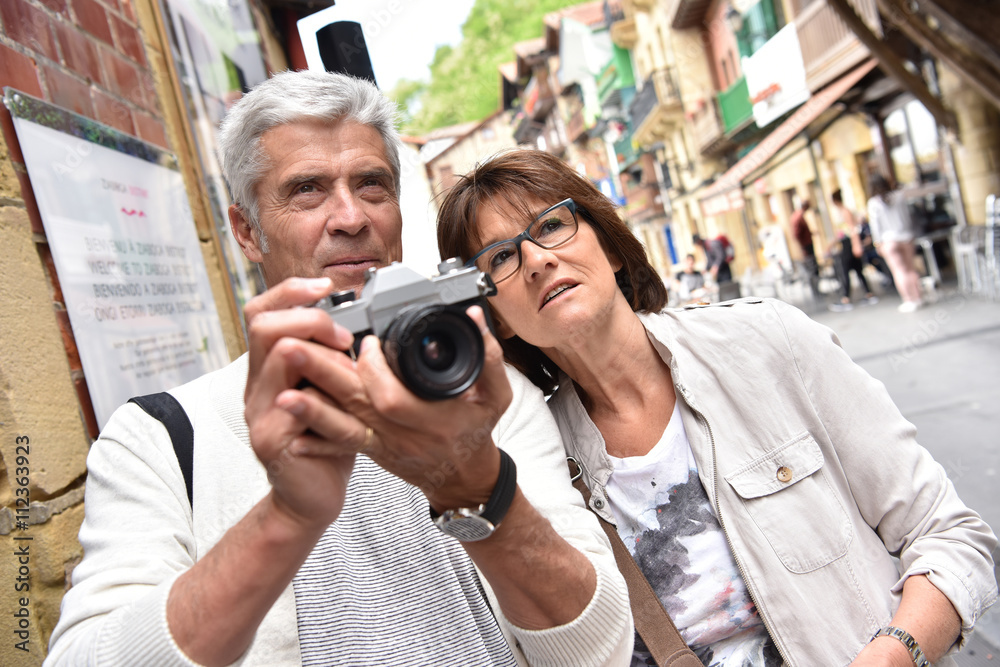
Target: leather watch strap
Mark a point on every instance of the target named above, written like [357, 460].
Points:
[652, 621]
[496, 507]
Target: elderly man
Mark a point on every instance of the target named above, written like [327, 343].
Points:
[296, 547]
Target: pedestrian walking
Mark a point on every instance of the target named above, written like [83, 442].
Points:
[847, 251]
[893, 234]
[804, 237]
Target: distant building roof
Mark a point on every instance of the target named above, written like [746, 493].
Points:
[529, 47]
[508, 70]
[451, 131]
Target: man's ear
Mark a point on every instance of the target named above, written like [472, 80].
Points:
[245, 234]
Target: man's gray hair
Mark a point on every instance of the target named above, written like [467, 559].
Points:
[289, 97]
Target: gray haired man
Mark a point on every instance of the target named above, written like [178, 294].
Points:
[297, 548]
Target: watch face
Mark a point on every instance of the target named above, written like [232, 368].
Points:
[470, 528]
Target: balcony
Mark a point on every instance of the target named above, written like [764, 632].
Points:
[538, 96]
[643, 202]
[624, 33]
[829, 47]
[706, 127]
[615, 83]
[575, 126]
[656, 108]
[735, 106]
[685, 14]
[526, 129]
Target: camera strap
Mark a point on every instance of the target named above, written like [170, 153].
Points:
[170, 412]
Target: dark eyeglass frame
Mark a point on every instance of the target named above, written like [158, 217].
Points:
[526, 236]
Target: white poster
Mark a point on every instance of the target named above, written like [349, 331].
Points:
[126, 252]
[776, 77]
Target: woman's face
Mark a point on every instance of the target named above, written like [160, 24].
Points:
[556, 292]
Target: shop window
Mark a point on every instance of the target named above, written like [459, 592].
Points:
[914, 149]
[914, 145]
[758, 24]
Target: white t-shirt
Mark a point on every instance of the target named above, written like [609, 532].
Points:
[665, 519]
[889, 218]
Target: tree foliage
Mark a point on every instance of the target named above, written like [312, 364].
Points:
[465, 82]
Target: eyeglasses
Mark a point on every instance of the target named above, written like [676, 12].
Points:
[550, 229]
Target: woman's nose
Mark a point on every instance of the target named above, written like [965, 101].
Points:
[535, 259]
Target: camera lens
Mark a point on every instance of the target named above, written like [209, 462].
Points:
[437, 352]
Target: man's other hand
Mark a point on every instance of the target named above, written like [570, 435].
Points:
[443, 447]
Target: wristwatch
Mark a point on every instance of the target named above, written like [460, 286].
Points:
[916, 654]
[471, 524]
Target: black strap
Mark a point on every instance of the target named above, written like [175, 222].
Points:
[168, 410]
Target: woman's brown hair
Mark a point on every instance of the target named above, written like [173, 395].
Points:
[518, 174]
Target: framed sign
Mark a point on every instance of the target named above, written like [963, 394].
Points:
[126, 251]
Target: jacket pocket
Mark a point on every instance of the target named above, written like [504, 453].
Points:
[792, 503]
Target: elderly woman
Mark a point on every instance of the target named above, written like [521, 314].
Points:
[761, 480]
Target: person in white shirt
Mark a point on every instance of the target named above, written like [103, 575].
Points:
[893, 235]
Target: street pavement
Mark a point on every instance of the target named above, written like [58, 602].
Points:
[941, 365]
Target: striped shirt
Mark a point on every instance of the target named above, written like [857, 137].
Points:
[385, 586]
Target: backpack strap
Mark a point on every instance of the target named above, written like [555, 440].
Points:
[167, 409]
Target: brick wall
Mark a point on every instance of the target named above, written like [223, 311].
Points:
[87, 56]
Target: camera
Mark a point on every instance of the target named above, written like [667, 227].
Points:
[432, 346]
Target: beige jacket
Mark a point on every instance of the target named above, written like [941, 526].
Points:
[764, 388]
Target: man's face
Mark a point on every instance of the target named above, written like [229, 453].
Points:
[327, 204]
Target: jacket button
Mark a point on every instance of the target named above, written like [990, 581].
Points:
[598, 503]
[784, 474]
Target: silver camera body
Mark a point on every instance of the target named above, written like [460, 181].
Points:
[432, 346]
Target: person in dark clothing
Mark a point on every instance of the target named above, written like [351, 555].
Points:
[716, 263]
[804, 237]
[847, 252]
[871, 255]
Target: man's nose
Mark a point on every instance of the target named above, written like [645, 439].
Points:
[347, 214]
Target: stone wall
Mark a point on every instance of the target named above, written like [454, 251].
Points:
[96, 58]
[977, 151]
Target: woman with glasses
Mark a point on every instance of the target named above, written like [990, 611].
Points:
[763, 482]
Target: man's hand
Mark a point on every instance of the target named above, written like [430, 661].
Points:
[443, 447]
[446, 448]
[286, 340]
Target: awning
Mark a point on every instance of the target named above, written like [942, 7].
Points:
[725, 194]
